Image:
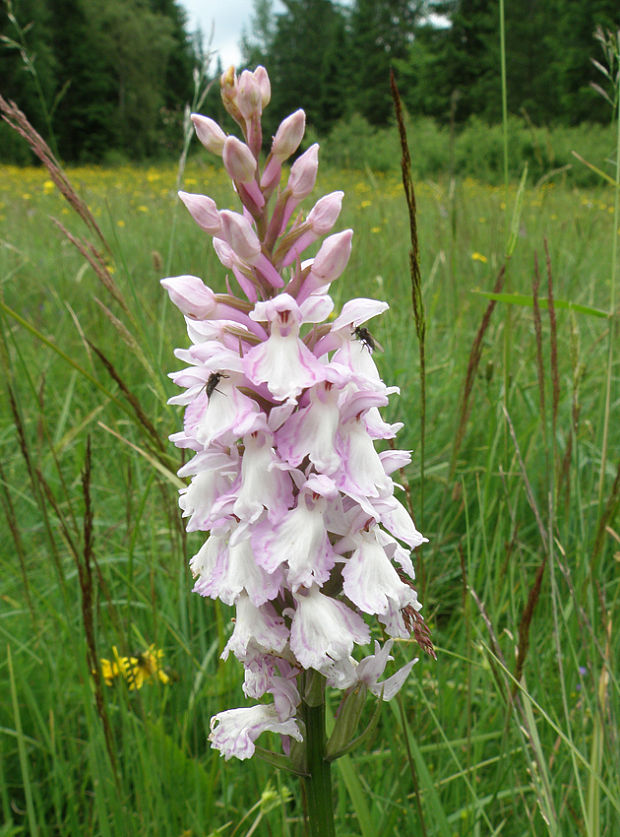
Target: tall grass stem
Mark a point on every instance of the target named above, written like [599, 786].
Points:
[612, 303]
[416, 291]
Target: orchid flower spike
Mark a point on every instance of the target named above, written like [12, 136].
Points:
[307, 541]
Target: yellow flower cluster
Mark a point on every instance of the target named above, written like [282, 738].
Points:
[135, 670]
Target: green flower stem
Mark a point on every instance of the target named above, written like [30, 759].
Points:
[318, 784]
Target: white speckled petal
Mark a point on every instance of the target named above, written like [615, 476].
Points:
[234, 731]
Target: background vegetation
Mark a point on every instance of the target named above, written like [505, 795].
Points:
[108, 79]
[525, 521]
[514, 730]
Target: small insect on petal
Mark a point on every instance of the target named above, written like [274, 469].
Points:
[364, 335]
[214, 379]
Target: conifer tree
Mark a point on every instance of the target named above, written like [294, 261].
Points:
[305, 62]
[380, 34]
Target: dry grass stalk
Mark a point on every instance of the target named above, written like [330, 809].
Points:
[472, 368]
[85, 576]
[608, 514]
[495, 648]
[534, 594]
[131, 398]
[35, 482]
[578, 373]
[514, 700]
[539, 347]
[21, 434]
[97, 262]
[526, 621]
[416, 290]
[528, 488]
[11, 519]
[126, 337]
[18, 121]
[121, 328]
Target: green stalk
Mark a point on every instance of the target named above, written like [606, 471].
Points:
[508, 323]
[502, 53]
[612, 304]
[318, 784]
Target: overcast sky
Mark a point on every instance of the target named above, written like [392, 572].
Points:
[227, 18]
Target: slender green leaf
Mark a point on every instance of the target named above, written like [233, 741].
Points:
[527, 301]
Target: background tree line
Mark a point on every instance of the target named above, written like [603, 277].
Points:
[446, 54]
[97, 77]
[114, 75]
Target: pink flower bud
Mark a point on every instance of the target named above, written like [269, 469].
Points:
[225, 253]
[289, 135]
[209, 133]
[191, 296]
[239, 160]
[238, 232]
[271, 174]
[325, 212]
[264, 85]
[249, 98]
[333, 256]
[303, 173]
[203, 210]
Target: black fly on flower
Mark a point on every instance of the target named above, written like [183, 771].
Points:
[214, 379]
[365, 337]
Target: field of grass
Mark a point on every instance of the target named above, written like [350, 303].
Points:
[514, 729]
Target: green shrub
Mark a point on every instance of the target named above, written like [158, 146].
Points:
[476, 150]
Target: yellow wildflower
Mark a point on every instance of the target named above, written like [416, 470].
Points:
[478, 257]
[146, 666]
[109, 671]
[138, 669]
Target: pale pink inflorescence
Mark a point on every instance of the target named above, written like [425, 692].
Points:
[282, 411]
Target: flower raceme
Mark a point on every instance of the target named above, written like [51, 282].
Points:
[282, 409]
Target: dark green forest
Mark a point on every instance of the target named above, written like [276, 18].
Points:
[106, 80]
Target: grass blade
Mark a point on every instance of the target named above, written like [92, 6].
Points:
[527, 301]
[23, 758]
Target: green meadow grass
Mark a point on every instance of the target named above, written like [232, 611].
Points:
[514, 730]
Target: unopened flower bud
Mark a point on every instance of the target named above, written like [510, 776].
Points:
[239, 160]
[264, 85]
[228, 89]
[333, 256]
[303, 173]
[191, 296]
[289, 134]
[209, 133]
[228, 82]
[225, 253]
[238, 232]
[203, 210]
[249, 98]
[325, 212]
